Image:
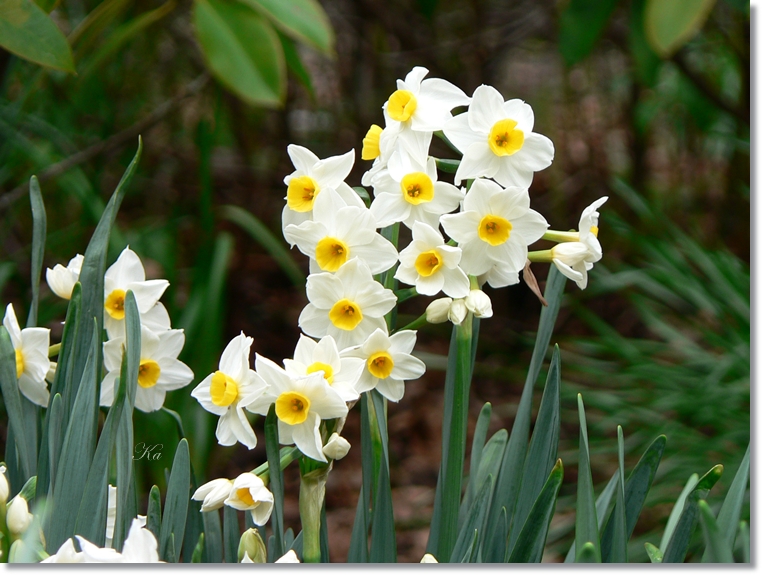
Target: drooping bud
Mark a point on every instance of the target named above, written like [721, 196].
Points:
[5, 487]
[337, 447]
[213, 494]
[252, 547]
[458, 311]
[438, 310]
[18, 517]
[479, 303]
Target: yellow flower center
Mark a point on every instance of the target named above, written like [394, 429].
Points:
[301, 193]
[292, 407]
[494, 230]
[324, 367]
[148, 373]
[345, 314]
[594, 230]
[371, 143]
[224, 390]
[19, 363]
[505, 139]
[380, 365]
[417, 188]
[402, 105]
[428, 263]
[245, 496]
[331, 254]
[115, 304]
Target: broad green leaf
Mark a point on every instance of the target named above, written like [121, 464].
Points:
[261, 234]
[730, 512]
[463, 551]
[198, 550]
[507, 484]
[213, 537]
[294, 63]
[654, 553]
[601, 510]
[176, 501]
[580, 25]
[543, 449]
[27, 31]
[586, 536]
[153, 515]
[678, 543]
[12, 400]
[39, 231]
[669, 25]
[303, 20]
[242, 51]
[477, 446]
[635, 491]
[448, 166]
[276, 479]
[531, 541]
[647, 63]
[90, 28]
[231, 534]
[717, 548]
[618, 518]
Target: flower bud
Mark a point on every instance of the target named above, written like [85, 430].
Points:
[5, 487]
[458, 311]
[438, 310]
[429, 558]
[213, 494]
[570, 253]
[479, 303]
[18, 517]
[289, 557]
[337, 447]
[252, 547]
[62, 279]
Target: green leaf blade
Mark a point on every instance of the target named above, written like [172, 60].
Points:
[586, 532]
[302, 20]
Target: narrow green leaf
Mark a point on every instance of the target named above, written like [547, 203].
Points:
[647, 63]
[543, 449]
[213, 537]
[601, 510]
[194, 526]
[580, 25]
[66, 353]
[669, 25]
[470, 554]
[253, 71]
[176, 501]
[171, 556]
[531, 541]
[261, 234]
[12, 400]
[324, 547]
[730, 512]
[294, 63]
[153, 515]
[463, 551]
[654, 553]
[302, 20]
[39, 231]
[198, 550]
[507, 485]
[619, 519]
[677, 510]
[276, 478]
[745, 538]
[717, 548]
[477, 447]
[635, 491]
[53, 421]
[383, 540]
[231, 534]
[588, 553]
[447, 166]
[586, 533]
[498, 553]
[358, 542]
[29, 489]
[27, 31]
[678, 543]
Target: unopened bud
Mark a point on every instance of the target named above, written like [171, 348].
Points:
[429, 558]
[18, 517]
[337, 447]
[252, 547]
[289, 557]
[458, 311]
[479, 303]
[5, 487]
[438, 310]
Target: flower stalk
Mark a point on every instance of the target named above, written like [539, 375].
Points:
[311, 497]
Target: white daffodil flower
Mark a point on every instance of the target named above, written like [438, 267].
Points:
[62, 279]
[336, 447]
[18, 518]
[31, 345]
[140, 546]
[5, 487]
[423, 105]
[496, 140]
[408, 191]
[301, 403]
[347, 305]
[66, 554]
[160, 371]
[588, 227]
[111, 515]
[431, 265]
[312, 175]
[213, 494]
[289, 557]
[338, 233]
[250, 494]
[387, 362]
[494, 228]
[225, 392]
[498, 276]
[127, 273]
[379, 145]
[311, 356]
[479, 303]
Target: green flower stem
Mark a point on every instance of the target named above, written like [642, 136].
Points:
[311, 497]
[54, 349]
[556, 236]
[448, 166]
[405, 294]
[415, 324]
[440, 134]
[541, 256]
[287, 455]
